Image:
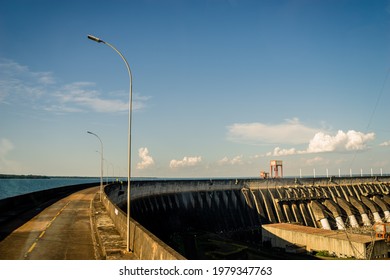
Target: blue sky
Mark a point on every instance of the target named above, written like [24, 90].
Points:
[220, 87]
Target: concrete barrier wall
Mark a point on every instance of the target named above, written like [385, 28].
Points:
[143, 243]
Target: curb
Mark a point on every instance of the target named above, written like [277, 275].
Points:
[110, 245]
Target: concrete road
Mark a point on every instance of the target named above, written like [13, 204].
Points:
[62, 231]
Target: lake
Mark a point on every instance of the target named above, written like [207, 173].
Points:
[14, 187]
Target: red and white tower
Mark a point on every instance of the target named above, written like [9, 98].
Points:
[275, 164]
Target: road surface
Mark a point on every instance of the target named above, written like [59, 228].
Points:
[62, 231]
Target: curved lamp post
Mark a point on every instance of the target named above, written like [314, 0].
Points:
[93, 38]
[101, 162]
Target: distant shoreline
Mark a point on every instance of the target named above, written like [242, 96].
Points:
[11, 176]
[31, 176]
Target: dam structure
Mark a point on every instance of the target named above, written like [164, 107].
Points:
[237, 218]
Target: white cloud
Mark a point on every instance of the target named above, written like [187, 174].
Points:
[321, 142]
[186, 161]
[349, 141]
[284, 152]
[5, 147]
[315, 161]
[44, 78]
[7, 165]
[82, 94]
[291, 132]
[18, 84]
[146, 159]
[238, 160]
[58, 109]
[385, 144]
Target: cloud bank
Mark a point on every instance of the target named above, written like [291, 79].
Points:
[186, 161]
[83, 96]
[291, 132]
[18, 83]
[385, 144]
[237, 160]
[341, 142]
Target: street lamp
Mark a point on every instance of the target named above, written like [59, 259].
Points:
[98, 40]
[101, 163]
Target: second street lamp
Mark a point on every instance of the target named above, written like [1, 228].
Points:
[101, 163]
[98, 40]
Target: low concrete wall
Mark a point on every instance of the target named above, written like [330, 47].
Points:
[143, 243]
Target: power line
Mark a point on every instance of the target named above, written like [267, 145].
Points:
[373, 111]
[378, 99]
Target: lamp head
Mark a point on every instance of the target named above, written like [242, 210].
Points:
[96, 39]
